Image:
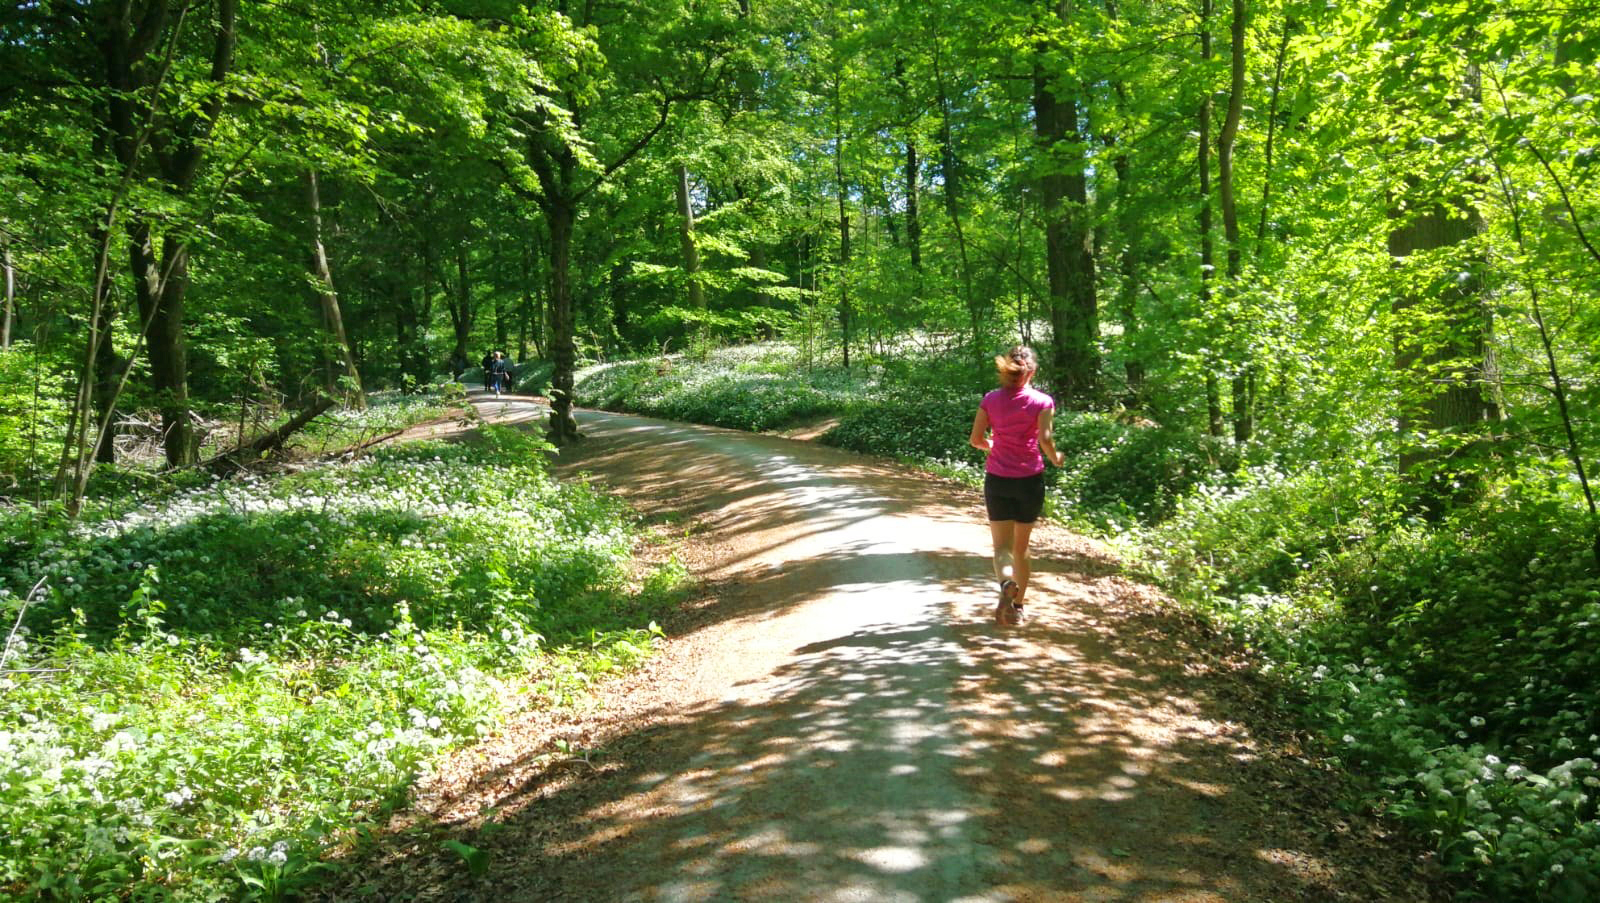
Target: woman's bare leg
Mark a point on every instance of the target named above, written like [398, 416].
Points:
[1003, 533]
[1021, 570]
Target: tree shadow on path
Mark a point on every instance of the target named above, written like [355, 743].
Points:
[926, 755]
[866, 733]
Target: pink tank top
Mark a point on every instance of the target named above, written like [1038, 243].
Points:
[1014, 425]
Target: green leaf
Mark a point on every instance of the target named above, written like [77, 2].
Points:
[477, 860]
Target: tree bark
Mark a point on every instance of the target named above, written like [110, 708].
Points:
[844, 219]
[560, 217]
[107, 379]
[332, 318]
[913, 214]
[11, 293]
[1244, 377]
[162, 282]
[1447, 363]
[462, 312]
[691, 254]
[950, 168]
[1272, 129]
[160, 286]
[1069, 239]
[1207, 251]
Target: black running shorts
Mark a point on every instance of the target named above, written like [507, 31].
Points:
[1014, 498]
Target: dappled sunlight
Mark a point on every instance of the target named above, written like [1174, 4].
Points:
[845, 722]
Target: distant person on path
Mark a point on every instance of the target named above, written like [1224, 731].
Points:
[499, 368]
[1014, 426]
[488, 360]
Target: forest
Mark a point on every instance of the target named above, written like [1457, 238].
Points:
[1316, 287]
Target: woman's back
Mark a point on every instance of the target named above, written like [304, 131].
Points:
[1014, 420]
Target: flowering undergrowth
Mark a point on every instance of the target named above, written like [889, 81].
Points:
[752, 388]
[1452, 667]
[385, 412]
[207, 695]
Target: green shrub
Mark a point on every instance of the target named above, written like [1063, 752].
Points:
[1452, 663]
[218, 689]
[31, 427]
[1263, 533]
[737, 391]
[920, 425]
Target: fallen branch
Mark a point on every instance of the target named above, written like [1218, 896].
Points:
[5, 654]
[254, 450]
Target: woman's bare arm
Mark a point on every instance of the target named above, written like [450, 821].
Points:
[1047, 437]
[980, 432]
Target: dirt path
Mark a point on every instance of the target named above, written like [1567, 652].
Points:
[837, 719]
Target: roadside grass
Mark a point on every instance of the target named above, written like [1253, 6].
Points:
[1452, 667]
[211, 693]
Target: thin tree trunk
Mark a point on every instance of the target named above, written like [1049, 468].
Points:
[332, 318]
[691, 254]
[1558, 384]
[107, 376]
[404, 328]
[1272, 129]
[951, 169]
[616, 289]
[913, 213]
[844, 221]
[1243, 423]
[560, 218]
[461, 308]
[1207, 252]
[1128, 288]
[525, 308]
[11, 293]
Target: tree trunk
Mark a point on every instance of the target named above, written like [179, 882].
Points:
[525, 309]
[1243, 378]
[561, 216]
[160, 284]
[615, 287]
[1128, 288]
[950, 168]
[1207, 252]
[404, 328]
[461, 310]
[691, 254]
[1447, 362]
[913, 214]
[107, 379]
[11, 293]
[1069, 240]
[844, 220]
[332, 318]
[1272, 129]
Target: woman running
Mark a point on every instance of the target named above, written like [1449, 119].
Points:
[1014, 426]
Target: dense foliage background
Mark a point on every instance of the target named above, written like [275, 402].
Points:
[1316, 282]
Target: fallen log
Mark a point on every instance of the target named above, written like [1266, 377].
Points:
[252, 451]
